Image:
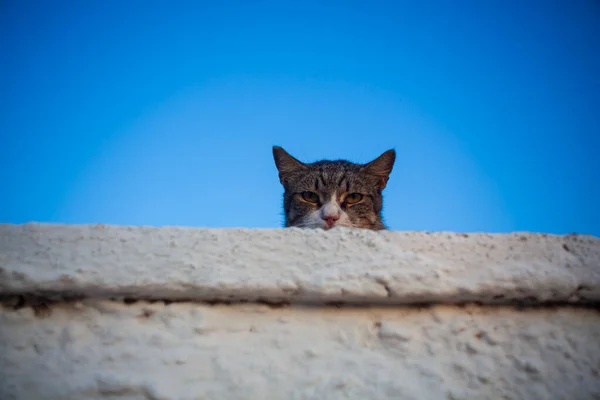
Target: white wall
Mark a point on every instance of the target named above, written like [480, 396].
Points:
[379, 345]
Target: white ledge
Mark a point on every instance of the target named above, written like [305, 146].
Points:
[297, 266]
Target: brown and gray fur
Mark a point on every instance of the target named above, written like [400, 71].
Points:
[326, 194]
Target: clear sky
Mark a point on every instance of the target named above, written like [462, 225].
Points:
[164, 112]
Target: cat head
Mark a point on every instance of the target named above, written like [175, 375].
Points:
[325, 194]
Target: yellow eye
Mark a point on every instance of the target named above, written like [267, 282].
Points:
[311, 197]
[353, 198]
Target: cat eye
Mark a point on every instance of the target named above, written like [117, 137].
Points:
[353, 198]
[311, 197]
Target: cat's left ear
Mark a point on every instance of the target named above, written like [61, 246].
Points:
[286, 164]
[381, 167]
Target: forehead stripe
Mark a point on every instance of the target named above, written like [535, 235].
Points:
[322, 178]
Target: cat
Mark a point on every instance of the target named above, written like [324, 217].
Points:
[339, 193]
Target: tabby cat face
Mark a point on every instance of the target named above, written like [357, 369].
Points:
[325, 194]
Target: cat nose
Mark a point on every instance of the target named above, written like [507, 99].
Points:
[330, 213]
[330, 220]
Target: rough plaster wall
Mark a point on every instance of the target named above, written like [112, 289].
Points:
[99, 350]
[298, 265]
[94, 348]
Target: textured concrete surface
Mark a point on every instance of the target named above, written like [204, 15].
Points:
[99, 350]
[547, 347]
[296, 265]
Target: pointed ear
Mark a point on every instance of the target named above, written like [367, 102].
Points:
[286, 164]
[381, 167]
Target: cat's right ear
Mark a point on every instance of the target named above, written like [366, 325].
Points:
[286, 164]
[381, 167]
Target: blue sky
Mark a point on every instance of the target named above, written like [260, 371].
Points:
[164, 112]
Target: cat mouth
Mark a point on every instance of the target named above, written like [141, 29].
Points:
[327, 227]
